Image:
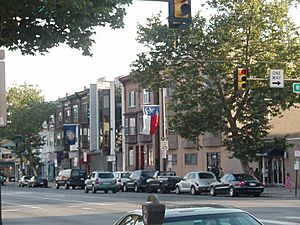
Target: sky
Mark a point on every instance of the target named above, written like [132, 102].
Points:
[65, 71]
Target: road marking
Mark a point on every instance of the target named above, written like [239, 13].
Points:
[32, 207]
[276, 222]
[86, 208]
[11, 210]
[292, 217]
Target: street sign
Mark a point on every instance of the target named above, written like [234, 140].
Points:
[296, 165]
[276, 78]
[164, 146]
[296, 87]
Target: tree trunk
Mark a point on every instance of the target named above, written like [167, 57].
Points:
[245, 165]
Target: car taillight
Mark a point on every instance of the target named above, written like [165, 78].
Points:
[97, 181]
[240, 183]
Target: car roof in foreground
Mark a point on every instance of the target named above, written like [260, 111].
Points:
[191, 210]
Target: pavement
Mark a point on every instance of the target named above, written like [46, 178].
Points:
[281, 192]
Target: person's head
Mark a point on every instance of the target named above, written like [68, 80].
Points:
[288, 174]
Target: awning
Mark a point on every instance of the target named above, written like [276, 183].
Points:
[271, 152]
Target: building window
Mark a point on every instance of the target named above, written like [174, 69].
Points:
[146, 96]
[130, 156]
[60, 117]
[149, 155]
[75, 112]
[130, 126]
[85, 109]
[174, 159]
[190, 159]
[131, 99]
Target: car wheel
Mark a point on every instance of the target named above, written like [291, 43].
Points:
[22, 185]
[212, 191]
[86, 190]
[148, 189]
[193, 190]
[56, 185]
[256, 194]
[94, 189]
[177, 190]
[105, 191]
[232, 192]
[124, 188]
[136, 188]
[66, 186]
[114, 191]
[162, 189]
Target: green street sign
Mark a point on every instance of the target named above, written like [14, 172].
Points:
[296, 87]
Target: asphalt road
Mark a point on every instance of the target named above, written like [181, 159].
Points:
[45, 206]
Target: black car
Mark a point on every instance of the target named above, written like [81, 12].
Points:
[3, 178]
[71, 178]
[37, 181]
[138, 180]
[164, 181]
[235, 184]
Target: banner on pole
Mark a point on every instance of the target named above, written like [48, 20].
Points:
[150, 119]
[70, 134]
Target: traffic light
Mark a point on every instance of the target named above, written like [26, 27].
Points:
[179, 13]
[241, 78]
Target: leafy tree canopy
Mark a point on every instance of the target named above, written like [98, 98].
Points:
[38, 25]
[198, 64]
[27, 111]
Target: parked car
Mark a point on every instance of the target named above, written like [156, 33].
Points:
[71, 178]
[121, 177]
[3, 178]
[164, 181]
[208, 214]
[101, 181]
[38, 181]
[137, 180]
[24, 181]
[195, 182]
[235, 184]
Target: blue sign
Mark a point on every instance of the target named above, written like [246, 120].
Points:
[70, 134]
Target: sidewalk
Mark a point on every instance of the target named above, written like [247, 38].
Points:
[280, 192]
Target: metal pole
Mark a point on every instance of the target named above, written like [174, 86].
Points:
[0, 204]
[296, 183]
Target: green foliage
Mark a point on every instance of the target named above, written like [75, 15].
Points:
[38, 25]
[27, 111]
[198, 64]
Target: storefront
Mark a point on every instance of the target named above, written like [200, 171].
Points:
[272, 166]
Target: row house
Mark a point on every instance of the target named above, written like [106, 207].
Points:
[182, 155]
[146, 151]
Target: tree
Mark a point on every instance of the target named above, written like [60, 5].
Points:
[27, 111]
[38, 25]
[198, 64]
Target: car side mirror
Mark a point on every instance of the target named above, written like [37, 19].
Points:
[153, 211]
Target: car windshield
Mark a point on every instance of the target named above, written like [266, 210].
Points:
[125, 175]
[168, 173]
[148, 173]
[213, 219]
[244, 177]
[206, 176]
[106, 175]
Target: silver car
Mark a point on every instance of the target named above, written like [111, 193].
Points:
[121, 177]
[195, 182]
[101, 181]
